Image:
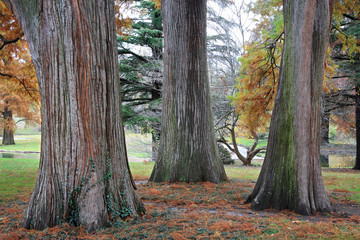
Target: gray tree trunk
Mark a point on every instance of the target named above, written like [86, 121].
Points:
[8, 134]
[187, 151]
[357, 124]
[83, 177]
[291, 174]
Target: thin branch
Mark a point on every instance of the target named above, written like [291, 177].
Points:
[6, 42]
[23, 84]
[126, 51]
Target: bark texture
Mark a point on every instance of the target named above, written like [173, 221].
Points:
[8, 134]
[291, 174]
[357, 119]
[187, 151]
[83, 175]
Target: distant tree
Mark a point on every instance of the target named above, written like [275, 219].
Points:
[346, 53]
[188, 150]
[256, 80]
[290, 177]
[226, 43]
[18, 98]
[83, 177]
[141, 63]
[19, 93]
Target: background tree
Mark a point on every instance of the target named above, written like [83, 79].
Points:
[253, 95]
[19, 94]
[188, 150]
[346, 53]
[291, 174]
[18, 97]
[141, 63]
[226, 43]
[83, 175]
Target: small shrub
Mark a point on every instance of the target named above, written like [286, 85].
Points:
[225, 155]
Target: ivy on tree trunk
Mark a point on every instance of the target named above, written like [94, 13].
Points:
[83, 177]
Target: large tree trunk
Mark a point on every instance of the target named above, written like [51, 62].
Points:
[83, 175]
[188, 151]
[357, 119]
[8, 134]
[291, 174]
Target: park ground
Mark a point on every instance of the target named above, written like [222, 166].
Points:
[186, 211]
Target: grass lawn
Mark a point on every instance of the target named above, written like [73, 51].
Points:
[138, 145]
[249, 142]
[346, 183]
[24, 143]
[187, 211]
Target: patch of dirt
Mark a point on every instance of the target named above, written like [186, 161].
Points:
[345, 209]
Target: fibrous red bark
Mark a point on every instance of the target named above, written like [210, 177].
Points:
[83, 176]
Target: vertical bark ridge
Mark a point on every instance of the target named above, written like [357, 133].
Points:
[291, 174]
[84, 176]
[187, 150]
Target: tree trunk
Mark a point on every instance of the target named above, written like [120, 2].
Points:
[155, 136]
[8, 134]
[357, 119]
[325, 128]
[187, 151]
[83, 177]
[291, 174]
[156, 126]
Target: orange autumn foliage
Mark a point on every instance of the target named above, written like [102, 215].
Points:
[18, 86]
[123, 24]
[257, 87]
[260, 64]
[222, 218]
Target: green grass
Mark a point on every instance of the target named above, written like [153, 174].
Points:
[249, 142]
[141, 170]
[346, 182]
[138, 145]
[17, 177]
[244, 173]
[33, 144]
[28, 131]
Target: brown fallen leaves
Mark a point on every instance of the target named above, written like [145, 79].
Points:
[194, 211]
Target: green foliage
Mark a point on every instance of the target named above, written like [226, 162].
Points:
[345, 51]
[225, 155]
[332, 132]
[141, 72]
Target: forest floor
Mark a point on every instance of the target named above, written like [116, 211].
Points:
[198, 210]
[190, 211]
